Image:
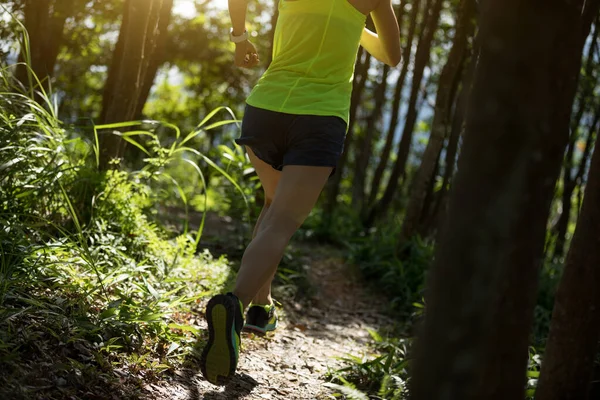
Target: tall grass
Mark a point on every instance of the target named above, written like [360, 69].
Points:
[90, 281]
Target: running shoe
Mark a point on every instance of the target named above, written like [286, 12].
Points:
[221, 353]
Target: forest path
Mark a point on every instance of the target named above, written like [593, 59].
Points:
[290, 363]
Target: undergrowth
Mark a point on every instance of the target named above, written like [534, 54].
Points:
[96, 297]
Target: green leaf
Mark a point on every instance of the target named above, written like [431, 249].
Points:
[375, 335]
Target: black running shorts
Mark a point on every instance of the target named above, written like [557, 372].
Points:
[281, 139]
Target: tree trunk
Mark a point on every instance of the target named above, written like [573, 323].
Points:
[482, 288]
[360, 79]
[429, 197]
[365, 144]
[458, 119]
[573, 340]
[391, 132]
[274, 18]
[421, 60]
[158, 55]
[588, 82]
[465, 28]
[45, 22]
[129, 68]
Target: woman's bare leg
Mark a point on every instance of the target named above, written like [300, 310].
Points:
[269, 179]
[295, 196]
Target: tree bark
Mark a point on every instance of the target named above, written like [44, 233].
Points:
[158, 55]
[465, 29]
[421, 60]
[45, 22]
[129, 68]
[391, 131]
[482, 288]
[573, 340]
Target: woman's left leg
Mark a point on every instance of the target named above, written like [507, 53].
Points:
[269, 179]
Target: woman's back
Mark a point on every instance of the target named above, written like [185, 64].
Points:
[314, 53]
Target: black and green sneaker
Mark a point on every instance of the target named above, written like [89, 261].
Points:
[261, 319]
[221, 353]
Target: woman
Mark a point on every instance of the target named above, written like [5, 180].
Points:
[293, 129]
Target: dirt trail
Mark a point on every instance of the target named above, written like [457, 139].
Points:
[290, 363]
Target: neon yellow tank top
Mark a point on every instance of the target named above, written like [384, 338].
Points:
[314, 51]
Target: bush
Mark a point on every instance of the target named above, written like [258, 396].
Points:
[89, 278]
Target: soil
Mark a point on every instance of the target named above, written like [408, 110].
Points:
[291, 363]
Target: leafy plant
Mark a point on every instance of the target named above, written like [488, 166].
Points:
[401, 278]
[381, 375]
[90, 281]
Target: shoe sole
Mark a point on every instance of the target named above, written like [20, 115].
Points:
[218, 361]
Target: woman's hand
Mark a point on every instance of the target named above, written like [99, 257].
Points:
[246, 55]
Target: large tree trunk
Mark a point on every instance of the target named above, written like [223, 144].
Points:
[449, 77]
[128, 71]
[573, 340]
[421, 60]
[482, 289]
[365, 144]
[587, 84]
[391, 131]
[44, 21]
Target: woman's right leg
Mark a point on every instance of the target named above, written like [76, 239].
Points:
[269, 180]
[296, 194]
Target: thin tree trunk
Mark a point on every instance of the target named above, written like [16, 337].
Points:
[274, 18]
[365, 144]
[482, 289]
[569, 184]
[131, 59]
[429, 197]
[391, 131]
[421, 60]
[573, 340]
[458, 119]
[360, 79]
[44, 21]
[158, 55]
[439, 129]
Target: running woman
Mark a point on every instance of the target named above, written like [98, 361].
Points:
[293, 129]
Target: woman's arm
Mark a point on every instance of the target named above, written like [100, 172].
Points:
[245, 52]
[385, 44]
[237, 12]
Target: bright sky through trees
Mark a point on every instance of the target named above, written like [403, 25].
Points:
[187, 7]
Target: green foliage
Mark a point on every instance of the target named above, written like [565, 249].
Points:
[385, 373]
[237, 165]
[381, 375]
[534, 365]
[89, 279]
[400, 274]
